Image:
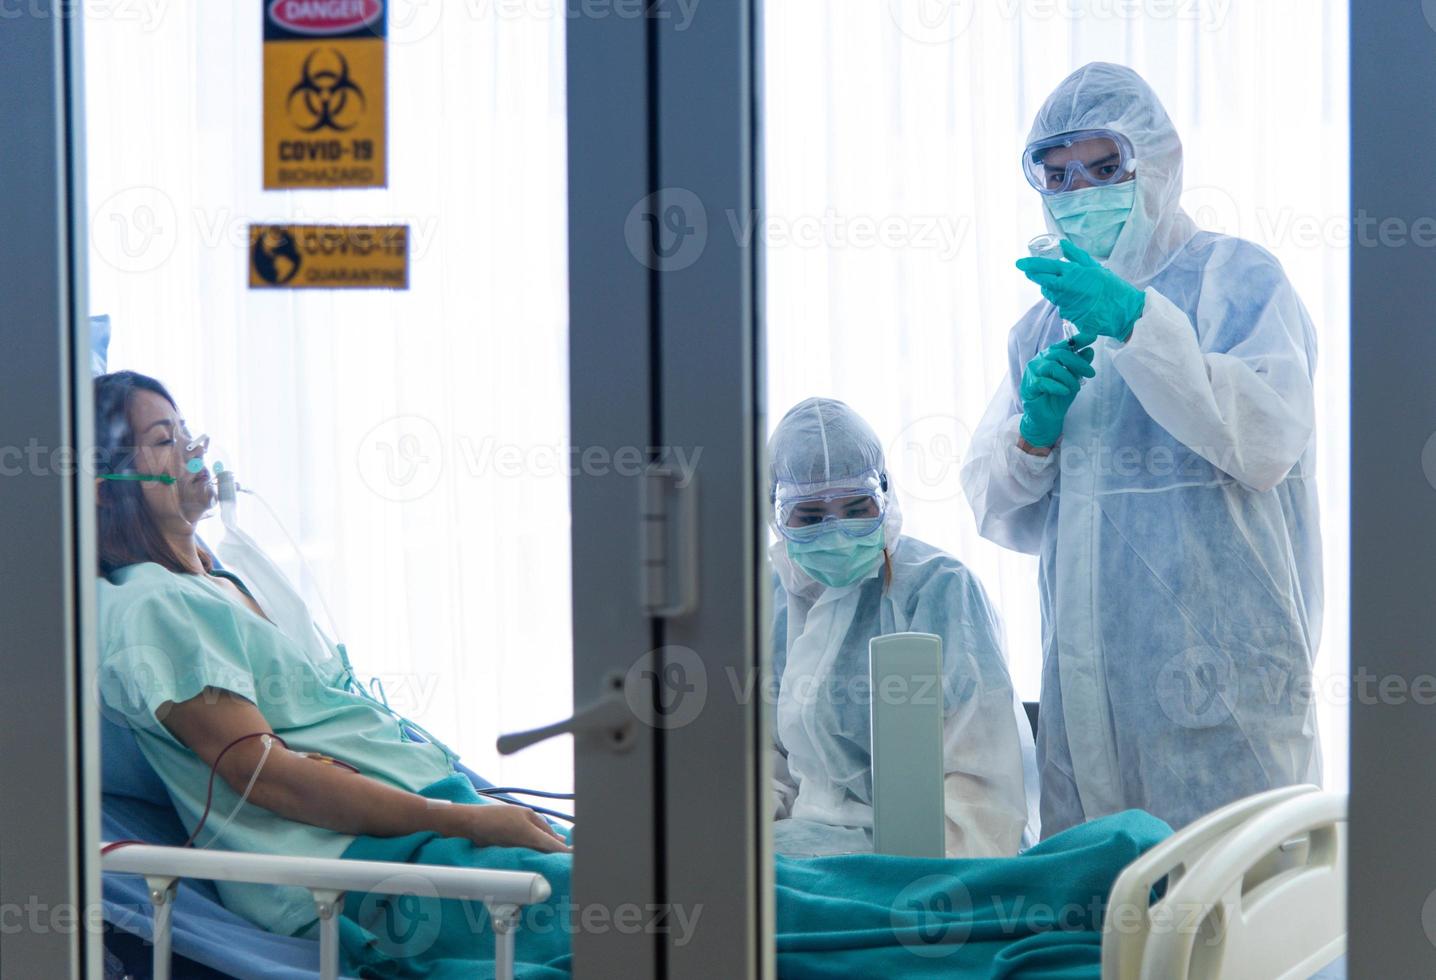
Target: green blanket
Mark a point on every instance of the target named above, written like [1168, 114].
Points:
[1037, 916]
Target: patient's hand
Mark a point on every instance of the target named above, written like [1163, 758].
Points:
[506, 825]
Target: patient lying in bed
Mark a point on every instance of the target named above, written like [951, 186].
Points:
[190, 662]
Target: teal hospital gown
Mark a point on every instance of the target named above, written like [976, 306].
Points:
[166, 638]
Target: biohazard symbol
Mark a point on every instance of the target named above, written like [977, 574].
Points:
[324, 94]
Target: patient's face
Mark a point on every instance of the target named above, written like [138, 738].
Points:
[160, 439]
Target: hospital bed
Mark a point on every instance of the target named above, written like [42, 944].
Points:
[1254, 891]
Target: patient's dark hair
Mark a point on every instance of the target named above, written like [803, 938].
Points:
[127, 532]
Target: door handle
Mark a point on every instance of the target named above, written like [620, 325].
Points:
[609, 718]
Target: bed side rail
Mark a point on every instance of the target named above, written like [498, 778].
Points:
[503, 893]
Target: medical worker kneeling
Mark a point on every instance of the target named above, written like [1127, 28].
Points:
[1161, 464]
[846, 574]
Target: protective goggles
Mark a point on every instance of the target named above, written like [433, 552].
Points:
[1085, 158]
[853, 511]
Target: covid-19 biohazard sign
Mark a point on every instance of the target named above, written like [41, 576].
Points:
[324, 99]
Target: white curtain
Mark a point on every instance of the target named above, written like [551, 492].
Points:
[411, 441]
[896, 209]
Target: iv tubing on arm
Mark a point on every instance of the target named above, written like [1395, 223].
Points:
[314, 792]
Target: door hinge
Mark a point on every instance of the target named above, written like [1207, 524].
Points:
[668, 531]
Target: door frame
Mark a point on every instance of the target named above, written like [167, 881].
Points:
[665, 354]
[49, 745]
[1391, 873]
[618, 852]
[717, 765]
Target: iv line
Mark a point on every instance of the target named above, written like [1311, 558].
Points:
[268, 742]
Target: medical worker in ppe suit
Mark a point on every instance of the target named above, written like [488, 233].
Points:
[1161, 465]
[846, 574]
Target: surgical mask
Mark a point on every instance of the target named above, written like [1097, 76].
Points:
[837, 560]
[1093, 217]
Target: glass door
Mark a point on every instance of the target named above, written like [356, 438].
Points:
[400, 452]
[1075, 545]
[362, 326]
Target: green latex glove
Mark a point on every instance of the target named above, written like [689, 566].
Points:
[1096, 300]
[1049, 385]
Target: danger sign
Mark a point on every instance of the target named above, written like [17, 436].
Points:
[324, 94]
[329, 256]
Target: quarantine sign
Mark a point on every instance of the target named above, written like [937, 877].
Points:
[329, 256]
[324, 93]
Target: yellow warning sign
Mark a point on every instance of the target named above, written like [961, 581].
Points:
[329, 256]
[324, 94]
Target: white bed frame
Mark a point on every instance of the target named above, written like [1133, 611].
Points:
[503, 893]
[1254, 891]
